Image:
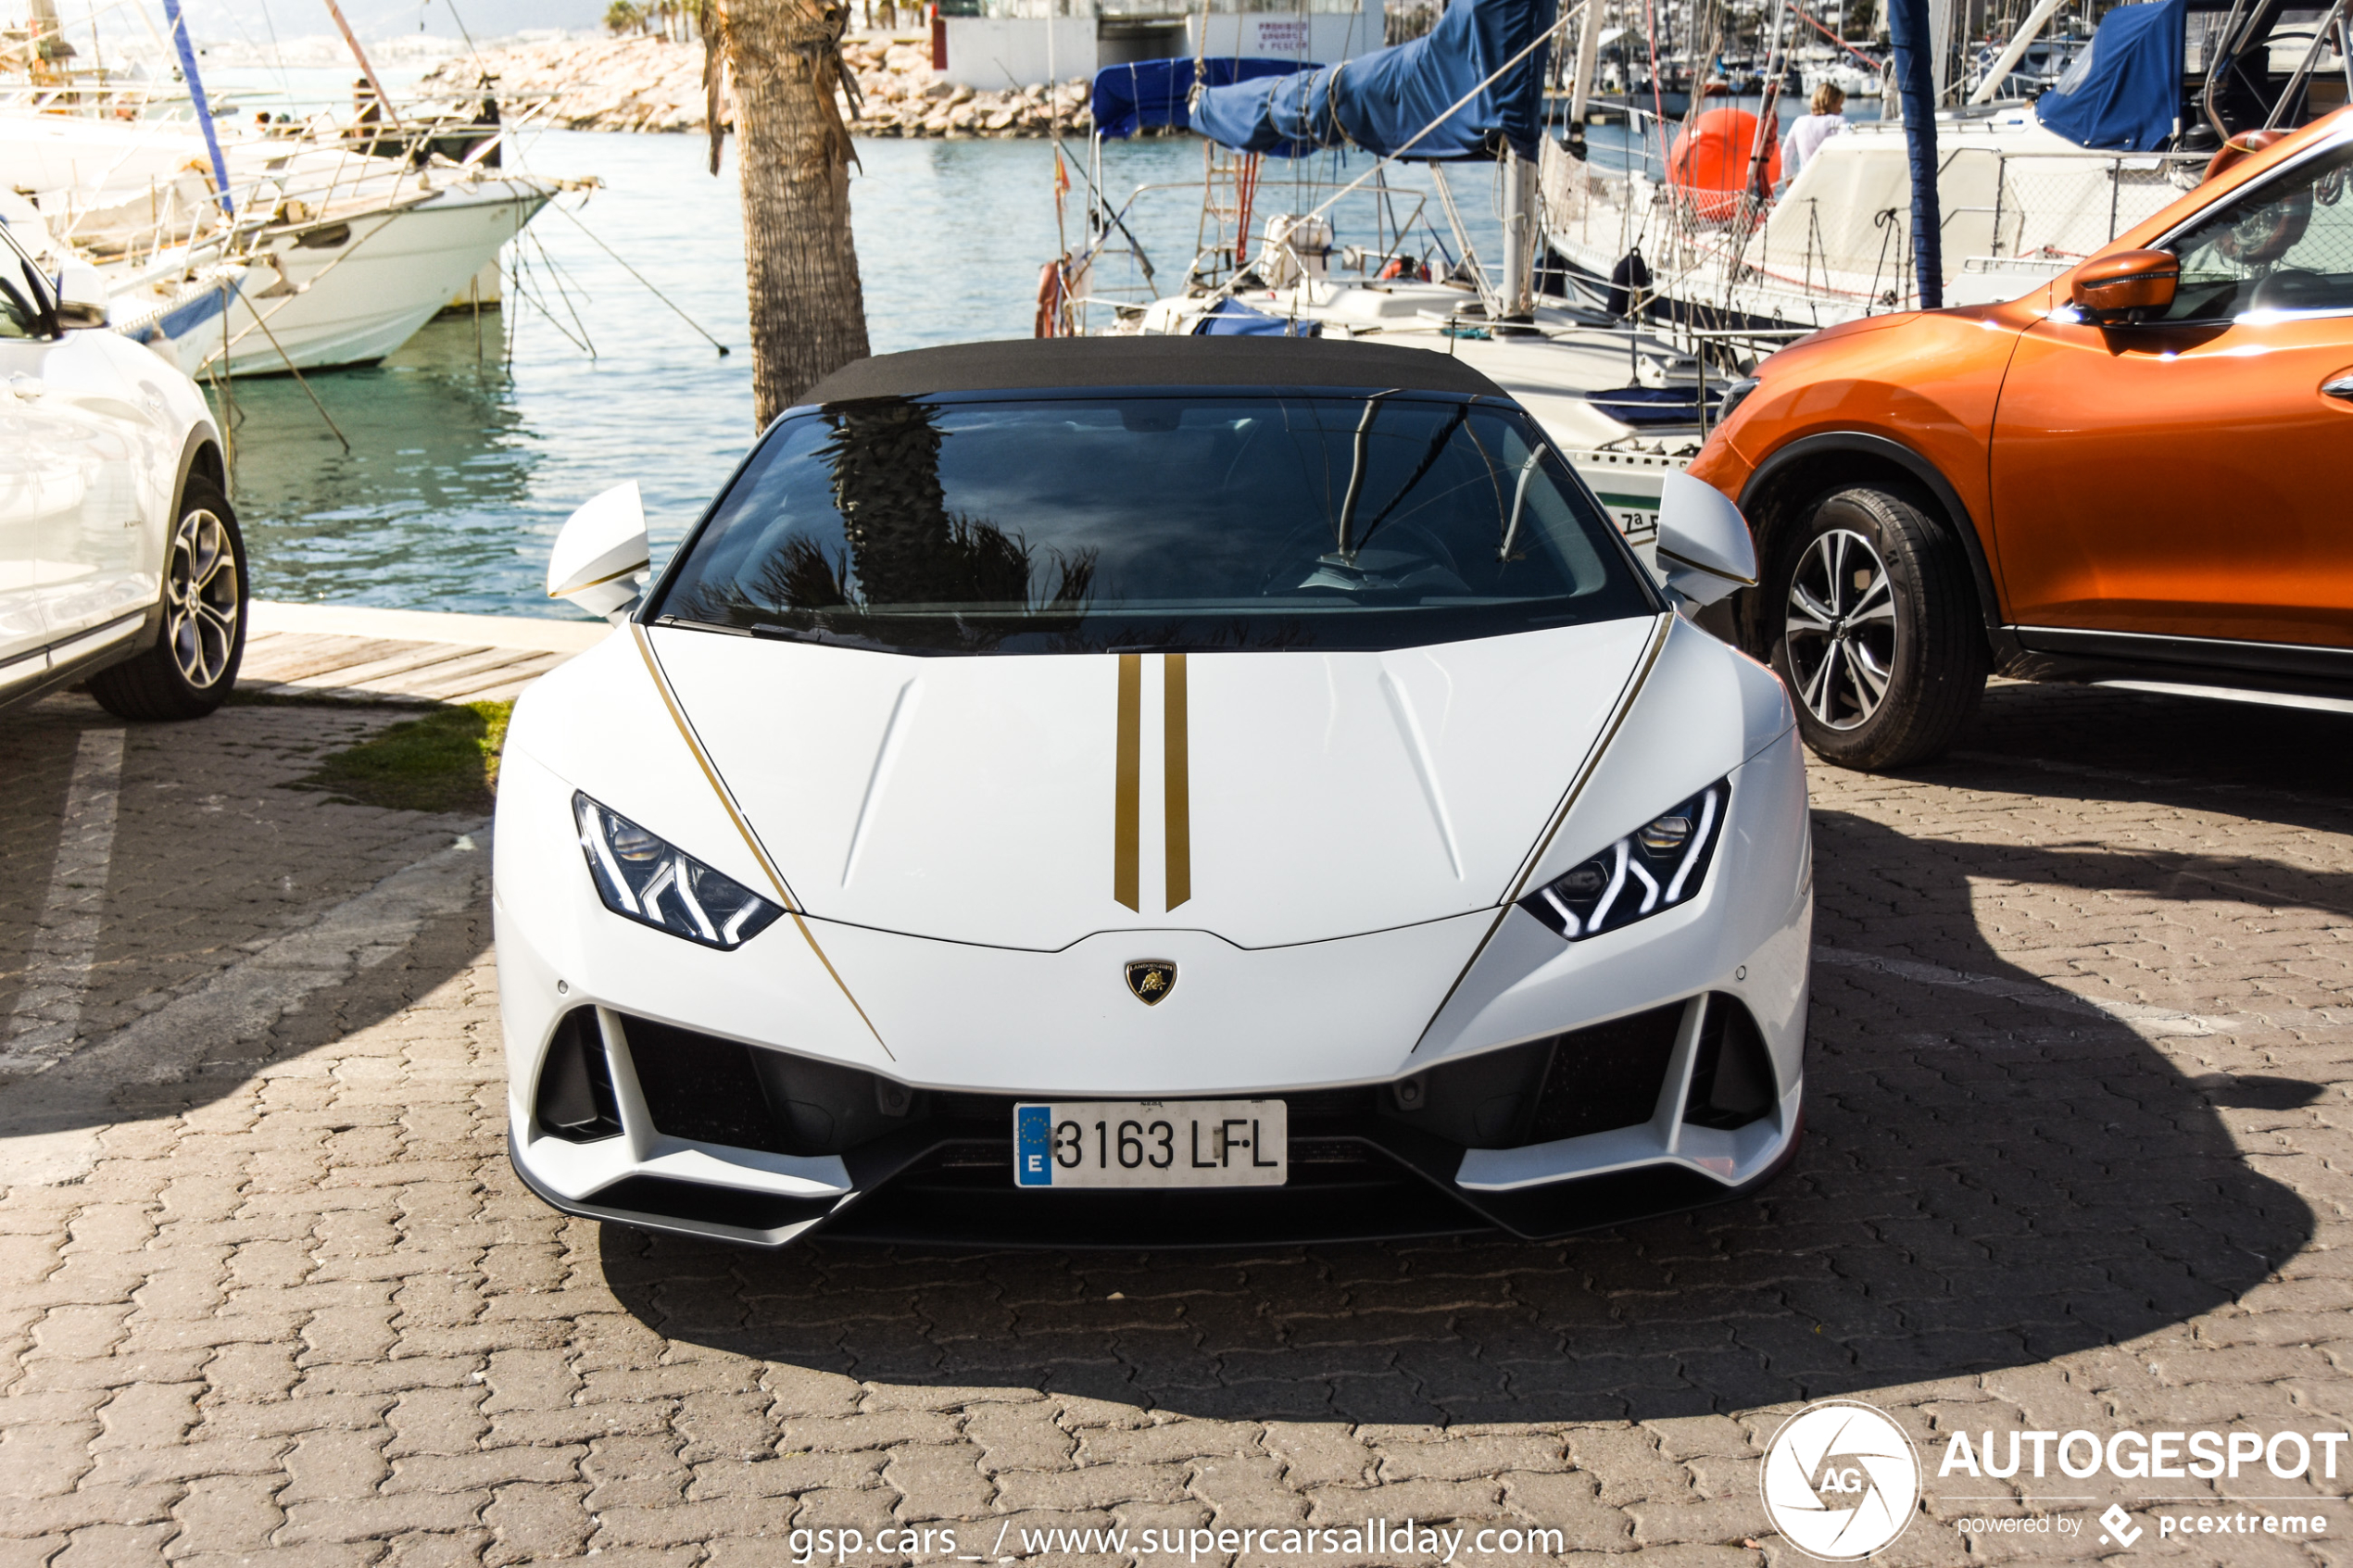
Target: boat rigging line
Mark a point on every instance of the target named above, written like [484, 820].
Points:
[640, 277]
[300, 380]
[384, 99]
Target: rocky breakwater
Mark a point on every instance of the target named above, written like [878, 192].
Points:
[654, 84]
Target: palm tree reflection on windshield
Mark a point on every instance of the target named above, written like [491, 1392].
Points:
[906, 549]
[905, 555]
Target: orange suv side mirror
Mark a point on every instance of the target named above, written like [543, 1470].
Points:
[2115, 289]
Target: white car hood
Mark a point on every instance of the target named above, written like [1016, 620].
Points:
[980, 799]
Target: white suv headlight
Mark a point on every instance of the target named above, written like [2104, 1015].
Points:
[641, 877]
[1657, 866]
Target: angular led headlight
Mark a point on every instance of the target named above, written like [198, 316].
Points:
[641, 877]
[1657, 866]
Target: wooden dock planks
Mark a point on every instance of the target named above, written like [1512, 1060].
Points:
[352, 654]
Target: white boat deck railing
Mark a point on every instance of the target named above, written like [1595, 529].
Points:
[2036, 198]
[124, 100]
[1848, 249]
[1112, 273]
[323, 183]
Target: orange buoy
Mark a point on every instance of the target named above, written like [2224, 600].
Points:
[1708, 167]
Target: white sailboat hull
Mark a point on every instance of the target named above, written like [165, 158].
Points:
[354, 302]
[347, 253]
[178, 319]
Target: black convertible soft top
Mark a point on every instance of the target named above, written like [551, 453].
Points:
[1032, 364]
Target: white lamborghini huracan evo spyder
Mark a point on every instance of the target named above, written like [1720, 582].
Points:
[1147, 792]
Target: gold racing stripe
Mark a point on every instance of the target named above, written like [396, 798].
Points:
[1126, 825]
[776, 878]
[1177, 780]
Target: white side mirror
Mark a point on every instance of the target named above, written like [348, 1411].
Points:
[81, 296]
[1704, 543]
[600, 552]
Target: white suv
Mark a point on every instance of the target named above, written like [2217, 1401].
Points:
[120, 563]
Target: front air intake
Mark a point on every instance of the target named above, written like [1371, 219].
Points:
[710, 1090]
[1608, 1076]
[575, 1100]
[1564, 1086]
[1732, 1077]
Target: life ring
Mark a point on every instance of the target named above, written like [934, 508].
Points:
[2241, 147]
[2268, 232]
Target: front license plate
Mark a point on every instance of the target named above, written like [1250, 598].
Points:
[1151, 1143]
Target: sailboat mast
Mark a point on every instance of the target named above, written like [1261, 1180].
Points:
[2028, 31]
[384, 99]
[187, 49]
[1518, 290]
[1916, 81]
[1580, 87]
[1768, 116]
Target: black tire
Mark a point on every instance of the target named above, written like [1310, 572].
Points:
[192, 665]
[1875, 627]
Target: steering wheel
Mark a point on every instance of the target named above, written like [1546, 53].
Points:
[2268, 232]
[2291, 288]
[1301, 555]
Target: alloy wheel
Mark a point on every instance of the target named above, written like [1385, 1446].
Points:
[203, 599]
[1840, 625]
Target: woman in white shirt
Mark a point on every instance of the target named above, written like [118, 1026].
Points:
[1808, 132]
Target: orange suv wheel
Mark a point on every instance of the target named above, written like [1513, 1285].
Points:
[1875, 628]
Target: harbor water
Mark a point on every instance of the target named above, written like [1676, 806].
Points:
[469, 446]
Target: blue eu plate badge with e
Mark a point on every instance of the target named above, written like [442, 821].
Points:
[1034, 1146]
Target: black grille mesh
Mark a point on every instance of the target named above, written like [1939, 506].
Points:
[701, 1088]
[1606, 1076]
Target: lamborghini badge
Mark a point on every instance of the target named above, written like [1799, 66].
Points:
[1152, 980]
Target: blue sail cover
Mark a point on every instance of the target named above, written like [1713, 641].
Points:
[1231, 318]
[2124, 93]
[1149, 93]
[1380, 101]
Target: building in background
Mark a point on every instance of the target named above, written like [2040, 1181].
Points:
[998, 43]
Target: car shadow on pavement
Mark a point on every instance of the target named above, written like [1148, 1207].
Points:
[237, 921]
[1997, 1171]
[2099, 743]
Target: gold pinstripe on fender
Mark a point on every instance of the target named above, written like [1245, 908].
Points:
[1576, 786]
[726, 801]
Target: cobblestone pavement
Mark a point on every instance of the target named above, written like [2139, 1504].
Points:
[268, 1291]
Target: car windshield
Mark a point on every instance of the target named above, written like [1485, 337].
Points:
[1176, 521]
[2285, 244]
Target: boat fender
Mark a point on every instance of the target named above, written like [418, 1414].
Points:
[1050, 301]
[1629, 277]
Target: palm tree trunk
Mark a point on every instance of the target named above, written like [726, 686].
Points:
[808, 313]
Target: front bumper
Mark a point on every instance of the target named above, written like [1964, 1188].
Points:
[1562, 1087]
[666, 1157]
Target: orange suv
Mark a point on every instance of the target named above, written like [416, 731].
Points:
[2136, 473]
